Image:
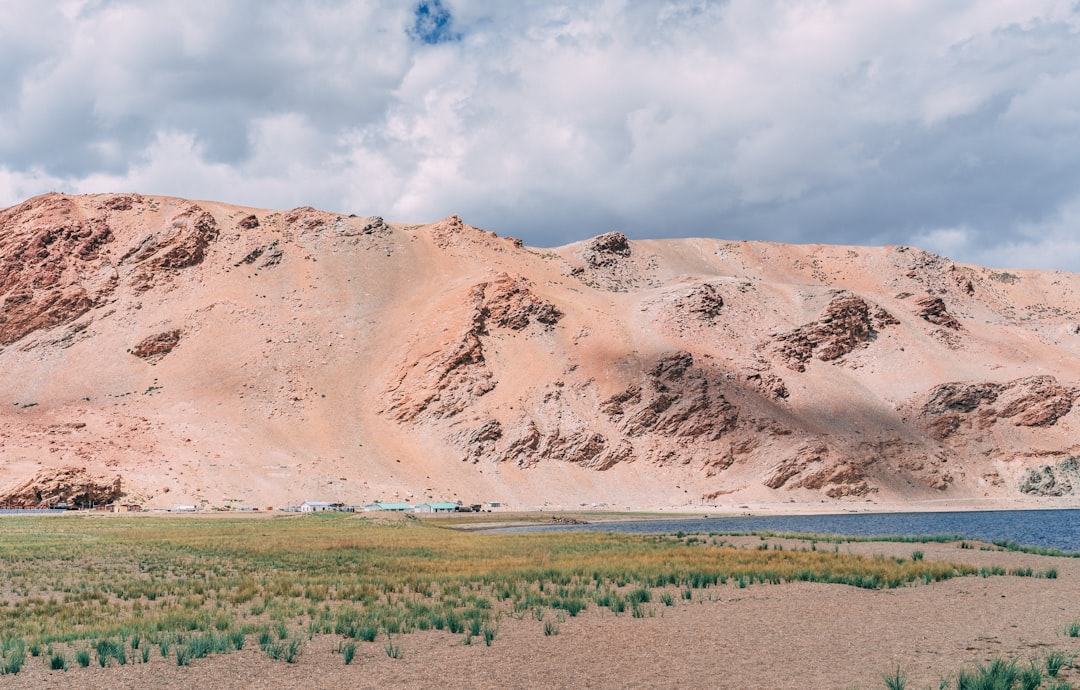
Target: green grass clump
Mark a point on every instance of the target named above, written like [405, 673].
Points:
[348, 651]
[287, 650]
[897, 680]
[999, 674]
[1054, 662]
[12, 655]
[110, 649]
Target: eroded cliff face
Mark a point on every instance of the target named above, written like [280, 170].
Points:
[71, 486]
[208, 352]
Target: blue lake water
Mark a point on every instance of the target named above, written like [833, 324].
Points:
[1056, 529]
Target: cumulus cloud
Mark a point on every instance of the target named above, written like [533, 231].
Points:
[952, 125]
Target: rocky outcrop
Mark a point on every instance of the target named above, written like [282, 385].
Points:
[271, 255]
[449, 232]
[767, 383]
[445, 382]
[181, 244]
[674, 404]
[1059, 479]
[846, 323]
[509, 302]
[813, 467]
[675, 400]
[932, 309]
[606, 249]
[47, 249]
[703, 302]
[479, 441]
[154, 347]
[1034, 401]
[71, 485]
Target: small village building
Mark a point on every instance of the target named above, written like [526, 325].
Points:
[317, 506]
[386, 505]
[436, 507]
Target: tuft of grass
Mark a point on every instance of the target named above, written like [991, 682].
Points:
[897, 680]
[14, 658]
[286, 650]
[1031, 677]
[110, 649]
[998, 673]
[392, 650]
[550, 628]
[348, 651]
[1073, 629]
[237, 638]
[58, 662]
[1054, 663]
[82, 657]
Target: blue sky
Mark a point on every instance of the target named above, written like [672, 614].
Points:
[950, 126]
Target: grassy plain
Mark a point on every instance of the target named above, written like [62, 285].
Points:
[112, 591]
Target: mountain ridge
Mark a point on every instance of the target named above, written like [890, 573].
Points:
[217, 354]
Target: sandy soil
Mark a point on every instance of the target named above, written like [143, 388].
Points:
[765, 636]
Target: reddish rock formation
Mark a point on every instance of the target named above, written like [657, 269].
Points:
[703, 302]
[154, 347]
[1034, 401]
[47, 245]
[606, 249]
[846, 323]
[71, 485]
[675, 400]
[932, 309]
[448, 380]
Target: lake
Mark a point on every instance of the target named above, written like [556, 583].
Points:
[1055, 529]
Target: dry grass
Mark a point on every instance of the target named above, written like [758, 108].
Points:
[191, 587]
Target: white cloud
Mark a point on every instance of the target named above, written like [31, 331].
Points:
[800, 120]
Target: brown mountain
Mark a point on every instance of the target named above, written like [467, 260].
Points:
[203, 352]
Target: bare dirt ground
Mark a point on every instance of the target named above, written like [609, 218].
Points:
[799, 635]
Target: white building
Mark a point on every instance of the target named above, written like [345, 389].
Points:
[317, 506]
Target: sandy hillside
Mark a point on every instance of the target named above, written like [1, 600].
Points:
[214, 355]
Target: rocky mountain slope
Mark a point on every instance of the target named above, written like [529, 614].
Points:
[206, 353]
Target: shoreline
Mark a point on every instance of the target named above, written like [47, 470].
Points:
[523, 518]
[560, 514]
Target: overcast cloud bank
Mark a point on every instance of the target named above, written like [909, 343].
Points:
[951, 126]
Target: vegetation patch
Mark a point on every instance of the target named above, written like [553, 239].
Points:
[114, 590]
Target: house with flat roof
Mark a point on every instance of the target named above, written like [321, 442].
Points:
[387, 505]
[436, 507]
[314, 506]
